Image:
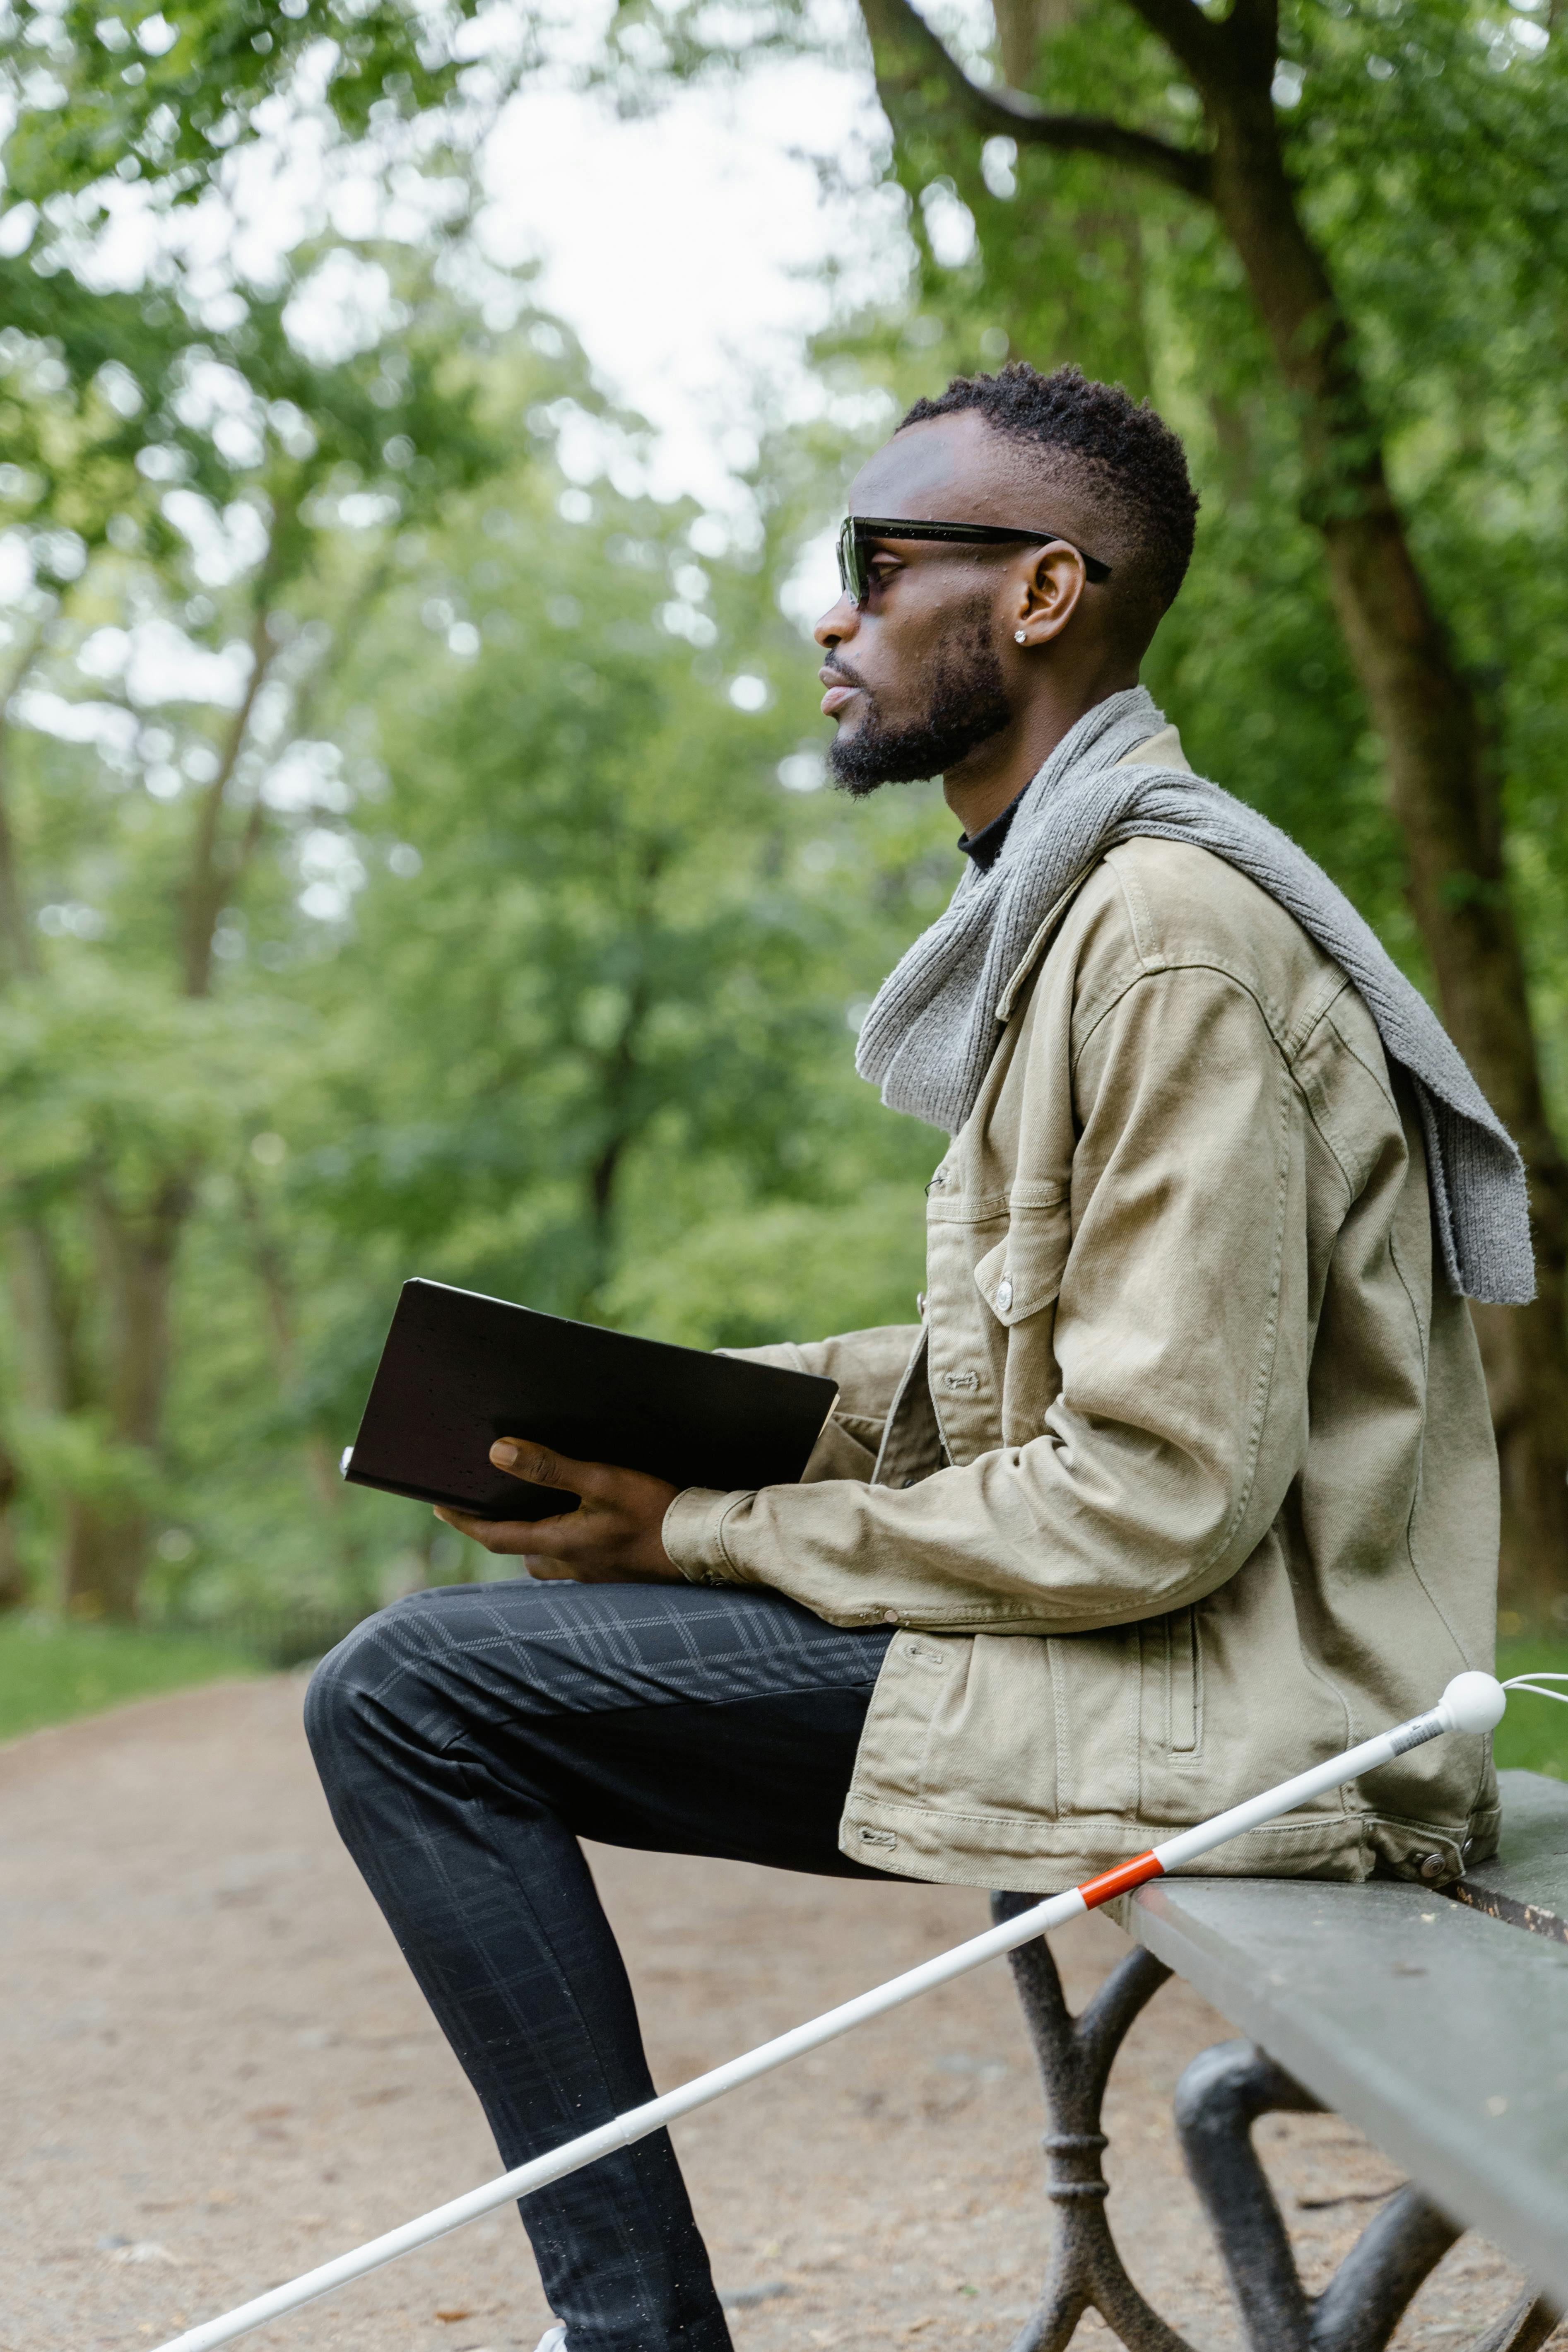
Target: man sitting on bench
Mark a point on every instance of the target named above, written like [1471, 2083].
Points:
[1185, 1477]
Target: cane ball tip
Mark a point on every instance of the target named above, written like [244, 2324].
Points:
[1474, 1702]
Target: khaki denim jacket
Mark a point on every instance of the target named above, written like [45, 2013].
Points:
[1187, 1479]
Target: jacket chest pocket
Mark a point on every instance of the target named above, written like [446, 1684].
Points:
[991, 1380]
[1023, 1273]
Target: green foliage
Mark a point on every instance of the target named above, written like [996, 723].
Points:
[101, 1069]
[593, 1053]
[197, 477]
[1533, 1735]
[49, 1674]
[1426, 140]
[167, 91]
[773, 1268]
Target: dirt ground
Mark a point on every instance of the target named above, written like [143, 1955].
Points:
[216, 2073]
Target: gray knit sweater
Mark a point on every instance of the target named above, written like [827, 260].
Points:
[933, 1029]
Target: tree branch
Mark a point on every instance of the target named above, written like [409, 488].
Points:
[1013, 114]
[1237, 52]
[18, 951]
[1194, 40]
[305, 699]
[208, 884]
[20, 956]
[1256, 20]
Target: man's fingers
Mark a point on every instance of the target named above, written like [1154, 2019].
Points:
[512, 1536]
[520, 1457]
[615, 1537]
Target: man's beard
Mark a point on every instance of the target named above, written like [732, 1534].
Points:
[967, 705]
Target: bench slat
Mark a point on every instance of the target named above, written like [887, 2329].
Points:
[1526, 1883]
[1440, 2031]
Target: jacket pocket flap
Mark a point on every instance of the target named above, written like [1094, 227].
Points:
[1023, 1272]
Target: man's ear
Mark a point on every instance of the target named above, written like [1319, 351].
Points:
[1048, 593]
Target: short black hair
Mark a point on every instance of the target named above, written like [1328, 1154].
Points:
[1124, 456]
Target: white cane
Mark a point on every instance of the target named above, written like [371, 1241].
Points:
[1472, 1702]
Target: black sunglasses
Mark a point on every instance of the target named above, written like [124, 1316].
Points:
[859, 530]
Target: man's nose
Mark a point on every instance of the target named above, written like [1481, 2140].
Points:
[839, 621]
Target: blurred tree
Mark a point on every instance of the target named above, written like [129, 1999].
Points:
[588, 1040]
[178, 458]
[168, 92]
[98, 1216]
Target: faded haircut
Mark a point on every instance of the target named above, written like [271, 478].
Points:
[1116, 450]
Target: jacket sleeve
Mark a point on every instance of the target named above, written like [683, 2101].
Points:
[1181, 1341]
[867, 1367]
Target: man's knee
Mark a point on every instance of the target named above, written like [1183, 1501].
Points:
[359, 1691]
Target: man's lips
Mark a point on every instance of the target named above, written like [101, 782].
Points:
[839, 692]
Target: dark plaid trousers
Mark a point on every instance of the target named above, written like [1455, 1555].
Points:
[467, 1737]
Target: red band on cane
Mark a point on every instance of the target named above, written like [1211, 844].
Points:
[1121, 1880]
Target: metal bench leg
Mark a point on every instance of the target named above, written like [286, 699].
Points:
[1522, 2329]
[1218, 2100]
[1073, 2055]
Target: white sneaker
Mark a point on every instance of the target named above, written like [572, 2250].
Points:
[554, 2340]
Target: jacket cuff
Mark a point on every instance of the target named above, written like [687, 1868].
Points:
[692, 1534]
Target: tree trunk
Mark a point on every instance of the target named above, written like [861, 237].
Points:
[44, 1316]
[107, 1541]
[13, 1579]
[19, 960]
[102, 1561]
[278, 1294]
[102, 1546]
[18, 947]
[617, 1075]
[106, 1552]
[45, 1310]
[211, 876]
[616, 1071]
[103, 1555]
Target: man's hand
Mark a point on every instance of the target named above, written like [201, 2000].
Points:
[613, 1537]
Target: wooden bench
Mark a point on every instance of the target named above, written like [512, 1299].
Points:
[1437, 2022]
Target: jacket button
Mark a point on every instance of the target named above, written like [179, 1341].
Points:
[890, 1616]
[1431, 1866]
[1004, 1294]
[921, 1305]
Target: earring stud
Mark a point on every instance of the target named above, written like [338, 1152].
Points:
[1018, 637]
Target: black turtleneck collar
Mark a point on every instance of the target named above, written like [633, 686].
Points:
[985, 847]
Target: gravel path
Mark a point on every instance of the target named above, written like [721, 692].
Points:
[217, 2073]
